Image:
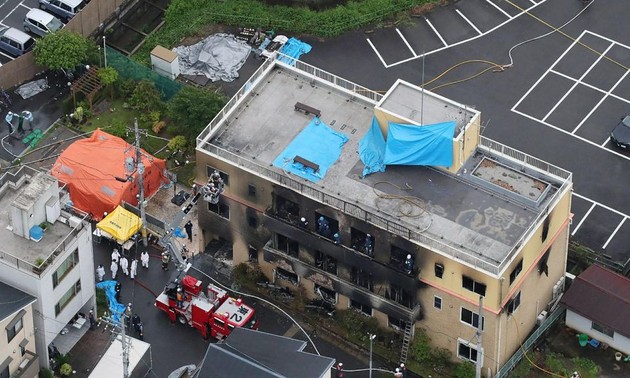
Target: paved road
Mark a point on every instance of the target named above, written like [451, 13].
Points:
[558, 102]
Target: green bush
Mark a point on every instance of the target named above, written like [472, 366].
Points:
[555, 363]
[245, 275]
[46, 373]
[191, 109]
[522, 369]
[356, 324]
[464, 370]
[146, 97]
[586, 367]
[420, 348]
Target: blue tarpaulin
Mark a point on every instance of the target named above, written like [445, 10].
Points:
[317, 143]
[293, 48]
[372, 149]
[115, 308]
[420, 145]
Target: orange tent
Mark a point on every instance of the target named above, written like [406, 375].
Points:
[89, 167]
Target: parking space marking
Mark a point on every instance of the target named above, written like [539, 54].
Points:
[599, 103]
[469, 22]
[614, 232]
[376, 51]
[532, 1]
[575, 230]
[606, 142]
[8, 56]
[436, 32]
[500, 10]
[405, 40]
[607, 39]
[590, 86]
[8, 14]
[578, 81]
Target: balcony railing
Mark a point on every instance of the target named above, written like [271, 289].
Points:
[29, 366]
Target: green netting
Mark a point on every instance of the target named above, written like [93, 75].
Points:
[129, 69]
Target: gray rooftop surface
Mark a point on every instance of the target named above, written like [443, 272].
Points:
[12, 300]
[17, 246]
[461, 211]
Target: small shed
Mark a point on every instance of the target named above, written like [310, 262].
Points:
[598, 305]
[165, 62]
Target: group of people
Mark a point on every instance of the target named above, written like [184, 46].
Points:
[129, 269]
[214, 188]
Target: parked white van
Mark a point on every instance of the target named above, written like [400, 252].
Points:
[41, 23]
[65, 9]
[15, 41]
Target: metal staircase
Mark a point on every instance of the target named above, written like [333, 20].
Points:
[406, 341]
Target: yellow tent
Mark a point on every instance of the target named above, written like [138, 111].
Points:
[121, 224]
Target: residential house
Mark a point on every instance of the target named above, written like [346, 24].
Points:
[494, 223]
[598, 305]
[18, 354]
[46, 251]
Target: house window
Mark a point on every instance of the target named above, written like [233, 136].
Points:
[326, 263]
[326, 294]
[252, 221]
[251, 190]
[542, 264]
[514, 303]
[472, 318]
[366, 310]
[516, 271]
[397, 257]
[437, 302]
[15, 326]
[65, 268]
[396, 323]
[466, 351]
[603, 329]
[545, 228]
[67, 297]
[439, 270]
[362, 278]
[472, 285]
[220, 208]
[399, 295]
[224, 176]
[287, 245]
[287, 276]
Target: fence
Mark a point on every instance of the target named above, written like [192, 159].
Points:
[529, 343]
[129, 69]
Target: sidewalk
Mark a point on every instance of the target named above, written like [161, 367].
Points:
[88, 351]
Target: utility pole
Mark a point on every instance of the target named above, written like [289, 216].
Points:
[120, 325]
[140, 170]
[479, 362]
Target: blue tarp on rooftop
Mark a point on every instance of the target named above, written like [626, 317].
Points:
[420, 145]
[317, 143]
[293, 48]
[372, 149]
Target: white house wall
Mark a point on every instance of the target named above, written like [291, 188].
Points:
[584, 325]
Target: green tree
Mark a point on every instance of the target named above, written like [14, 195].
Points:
[146, 97]
[177, 143]
[108, 76]
[192, 109]
[61, 50]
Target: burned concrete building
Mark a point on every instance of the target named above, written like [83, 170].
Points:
[390, 204]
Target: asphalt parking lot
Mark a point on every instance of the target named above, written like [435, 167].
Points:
[559, 100]
[12, 13]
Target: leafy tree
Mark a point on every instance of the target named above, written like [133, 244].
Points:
[420, 349]
[177, 143]
[61, 50]
[108, 76]
[192, 109]
[146, 97]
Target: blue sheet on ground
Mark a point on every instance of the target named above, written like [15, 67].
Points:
[115, 308]
[317, 143]
[372, 149]
[420, 145]
[293, 48]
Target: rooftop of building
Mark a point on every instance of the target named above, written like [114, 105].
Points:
[479, 215]
[12, 300]
[21, 190]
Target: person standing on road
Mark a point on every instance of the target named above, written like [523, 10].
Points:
[144, 258]
[114, 269]
[115, 255]
[398, 373]
[188, 227]
[91, 318]
[339, 370]
[134, 268]
[403, 370]
[9, 120]
[166, 258]
[100, 273]
[124, 265]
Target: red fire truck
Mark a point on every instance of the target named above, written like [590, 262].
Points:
[214, 313]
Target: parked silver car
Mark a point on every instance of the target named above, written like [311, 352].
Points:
[41, 23]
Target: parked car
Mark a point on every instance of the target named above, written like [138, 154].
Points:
[621, 133]
[15, 41]
[41, 23]
[65, 9]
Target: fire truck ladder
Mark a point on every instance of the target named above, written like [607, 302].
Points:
[169, 242]
[406, 341]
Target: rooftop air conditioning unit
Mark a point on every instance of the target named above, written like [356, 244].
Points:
[541, 317]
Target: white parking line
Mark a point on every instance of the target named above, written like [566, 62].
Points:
[607, 39]
[12, 10]
[583, 218]
[614, 232]
[500, 10]
[8, 56]
[533, 2]
[590, 86]
[29, 8]
[376, 51]
[436, 32]
[599, 103]
[605, 142]
[405, 40]
[601, 56]
[469, 22]
[602, 205]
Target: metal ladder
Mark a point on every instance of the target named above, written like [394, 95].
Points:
[406, 341]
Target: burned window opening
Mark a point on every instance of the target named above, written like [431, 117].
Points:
[396, 323]
[439, 270]
[398, 257]
[288, 245]
[474, 286]
[542, 264]
[325, 262]
[399, 295]
[361, 278]
[516, 271]
[327, 295]
[220, 209]
[362, 242]
[285, 275]
[326, 226]
[545, 228]
[251, 190]
[224, 176]
[287, 209]
[360, 307]
[513, 304]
